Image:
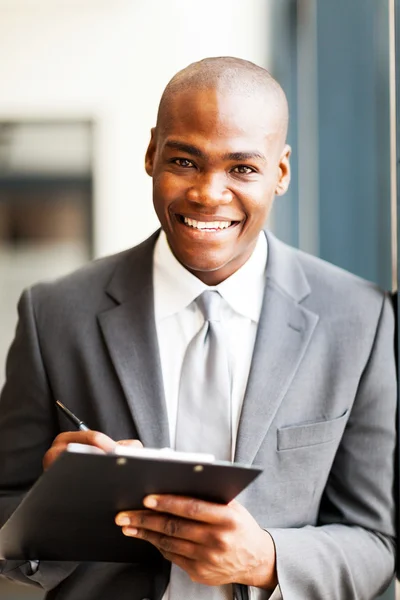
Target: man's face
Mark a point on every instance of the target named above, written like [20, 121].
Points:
[217, 160]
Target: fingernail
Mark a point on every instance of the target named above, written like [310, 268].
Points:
[130, 531]
[150, 501]
[122, 520]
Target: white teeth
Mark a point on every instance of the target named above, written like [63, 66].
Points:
[207, 224]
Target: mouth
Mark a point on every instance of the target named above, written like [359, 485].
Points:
[207, 226]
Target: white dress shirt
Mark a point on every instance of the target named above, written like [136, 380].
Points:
[178, 319]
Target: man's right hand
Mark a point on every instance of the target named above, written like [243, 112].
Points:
[91, 438]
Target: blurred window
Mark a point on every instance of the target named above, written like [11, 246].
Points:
[45, 208]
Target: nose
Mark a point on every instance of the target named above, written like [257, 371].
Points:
[209, 190]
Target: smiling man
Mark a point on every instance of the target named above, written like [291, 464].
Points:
[214, 336]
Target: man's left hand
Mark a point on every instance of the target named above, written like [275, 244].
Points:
[215, 544]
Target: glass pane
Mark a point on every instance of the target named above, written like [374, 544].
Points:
[45, 209]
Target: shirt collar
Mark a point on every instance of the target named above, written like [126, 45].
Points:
[175, 287]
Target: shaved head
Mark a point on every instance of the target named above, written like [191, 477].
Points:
[218, 157]
[227, 75]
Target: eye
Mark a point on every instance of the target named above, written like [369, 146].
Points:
[243, 170]
[183, 162]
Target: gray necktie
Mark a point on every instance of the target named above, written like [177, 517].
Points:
[204, 405]
[204, 418]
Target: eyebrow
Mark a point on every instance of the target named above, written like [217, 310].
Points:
[244, 156]
[187, 148]
[195, 151]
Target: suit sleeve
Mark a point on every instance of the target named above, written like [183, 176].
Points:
[27, 429]
[350, 553]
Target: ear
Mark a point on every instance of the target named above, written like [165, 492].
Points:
[150, 153]
[284, 172]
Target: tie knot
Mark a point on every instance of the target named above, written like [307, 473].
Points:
[209, 303]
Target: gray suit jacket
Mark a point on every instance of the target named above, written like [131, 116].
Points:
[318, 416]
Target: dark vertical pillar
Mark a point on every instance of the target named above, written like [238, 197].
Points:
[354, 136]
[284, 68]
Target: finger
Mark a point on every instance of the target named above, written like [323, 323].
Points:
[165, 524]
[52, 454]
[90, 437]
[165, 543]
[132, 443]
[189, 508]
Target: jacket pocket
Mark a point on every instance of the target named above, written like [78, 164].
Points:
[311, 434]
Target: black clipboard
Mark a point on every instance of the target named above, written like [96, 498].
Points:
[69, 512]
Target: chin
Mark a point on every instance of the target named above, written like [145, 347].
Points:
[203, 264]
[211, 273]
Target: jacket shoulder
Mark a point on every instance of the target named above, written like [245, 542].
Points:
[85, 289]
[83, 283]
[336, 289]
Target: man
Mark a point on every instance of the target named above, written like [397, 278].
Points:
[310, 353]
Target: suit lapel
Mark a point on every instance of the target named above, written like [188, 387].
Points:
[284, 332]
[130, 335]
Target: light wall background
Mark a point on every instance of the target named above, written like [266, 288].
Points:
[109, 60]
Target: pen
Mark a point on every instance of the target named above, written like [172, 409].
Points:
[73, 418]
